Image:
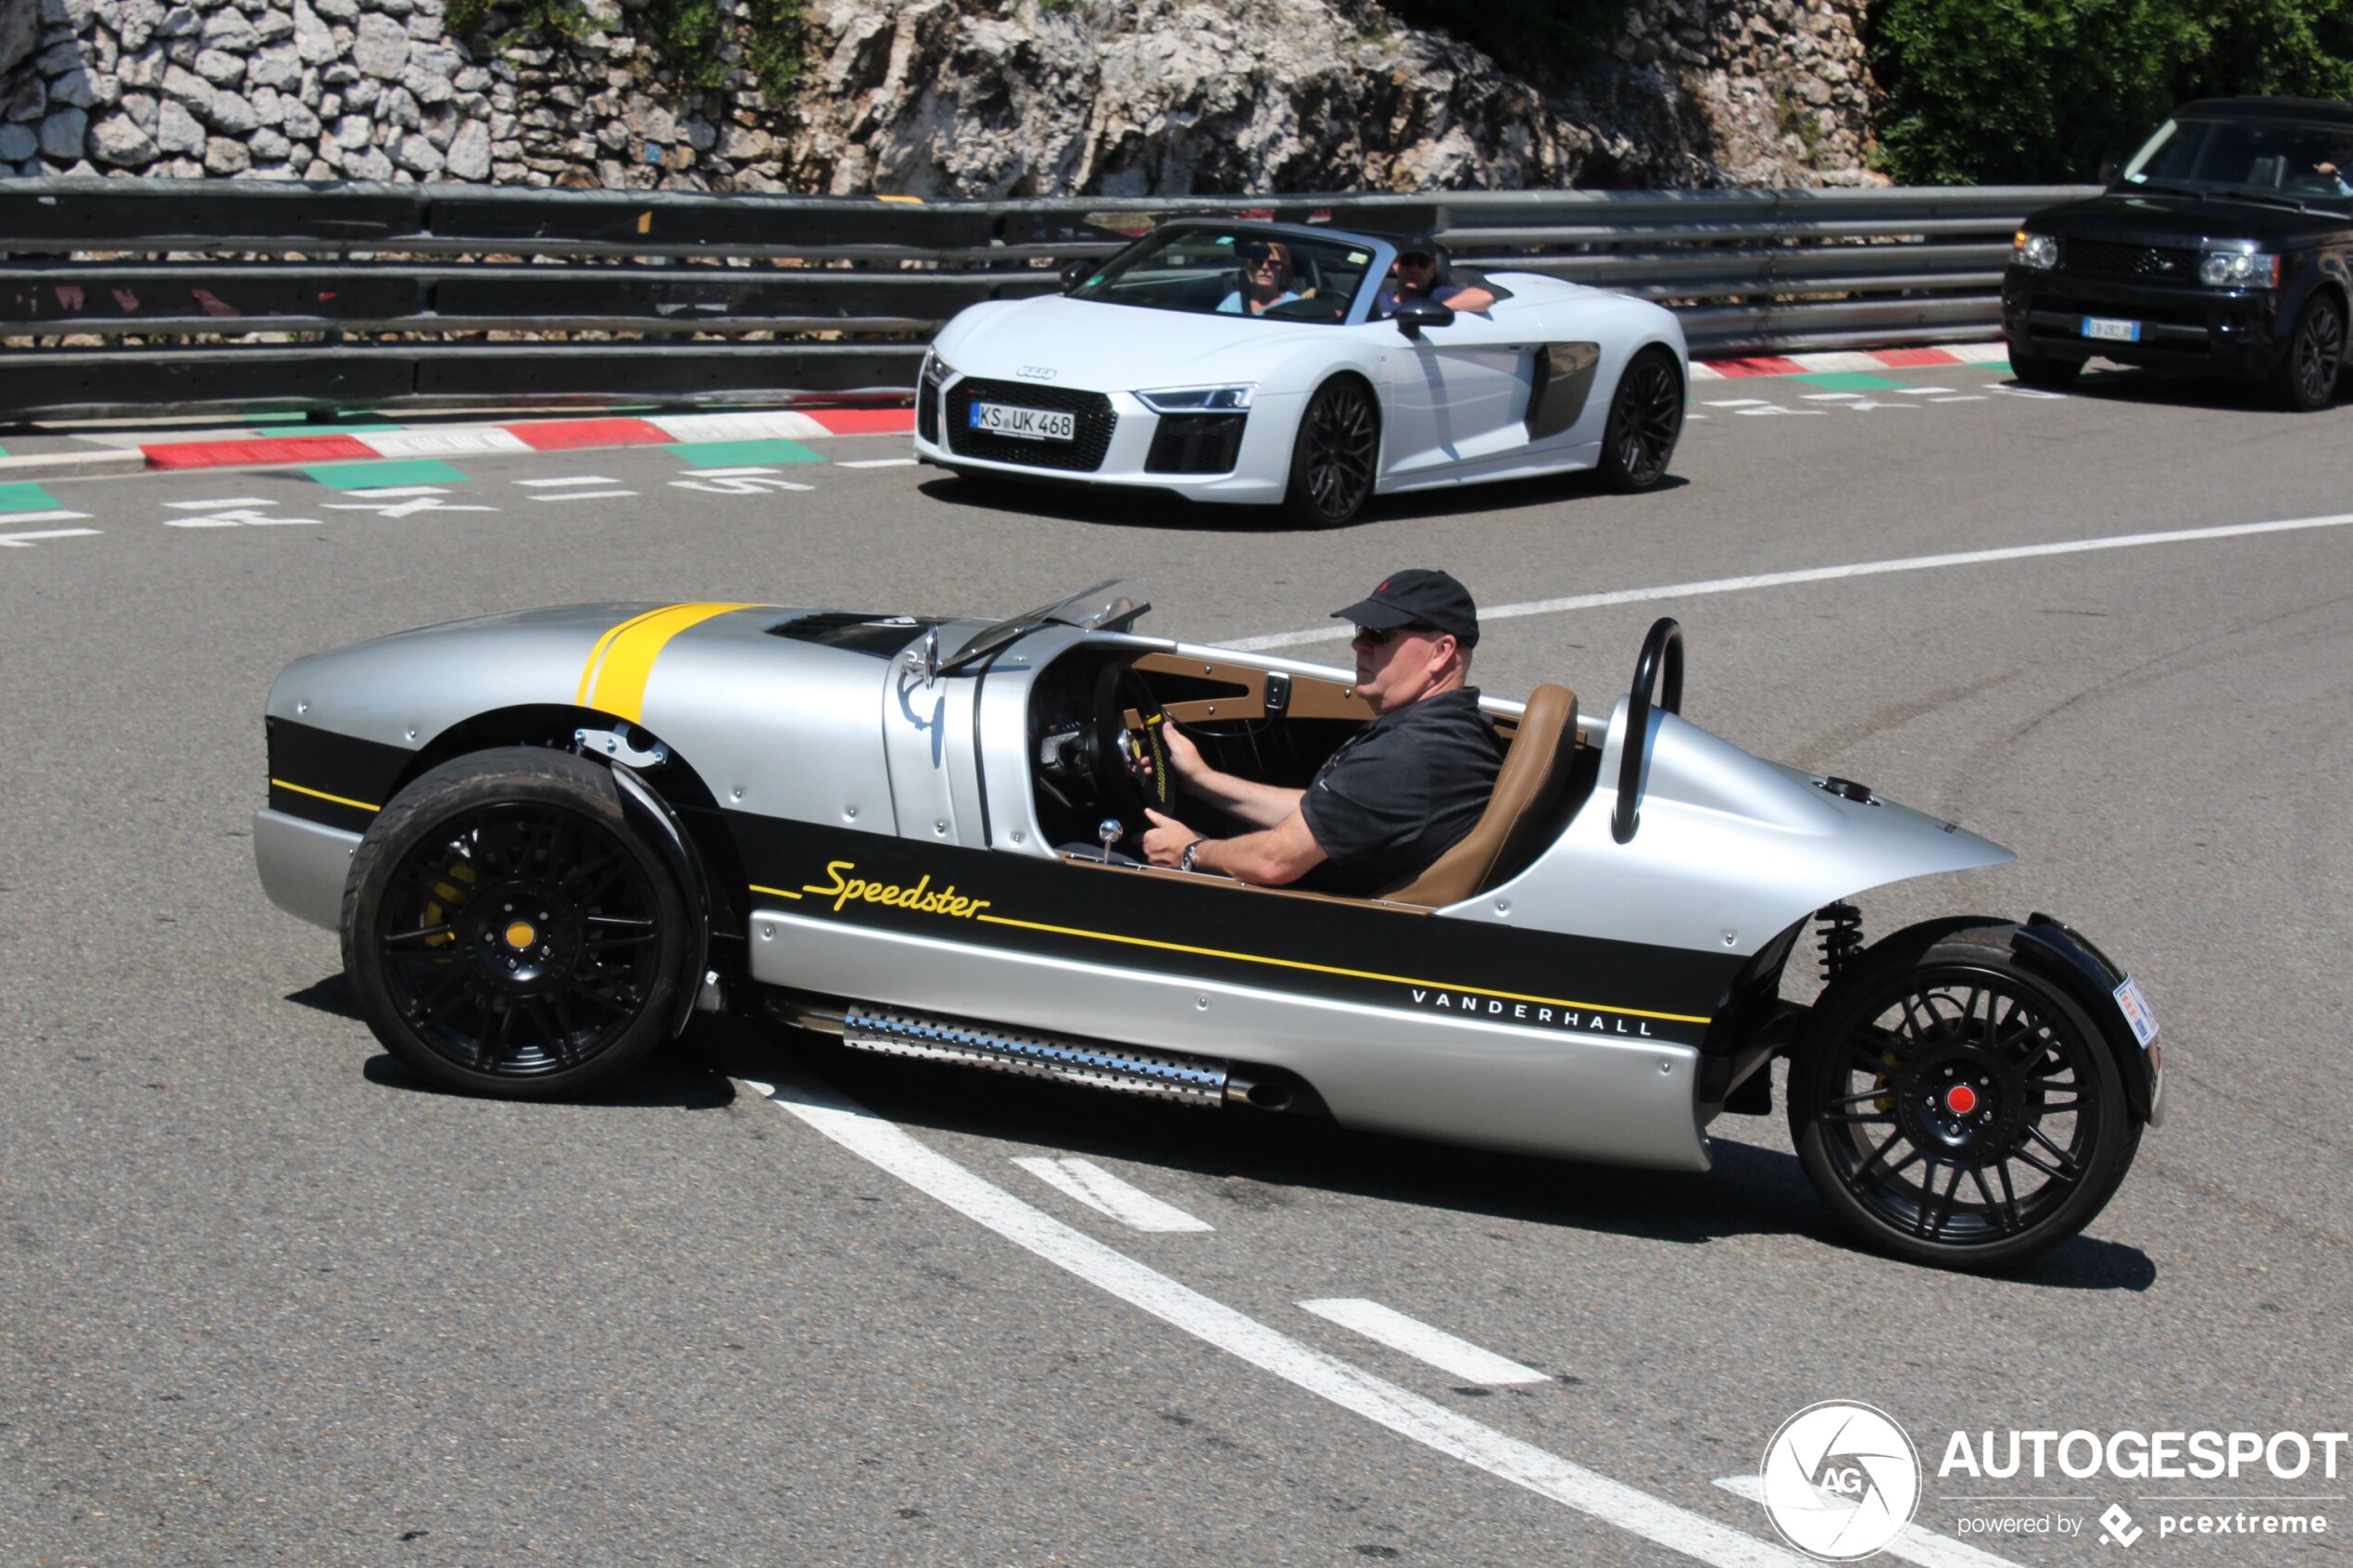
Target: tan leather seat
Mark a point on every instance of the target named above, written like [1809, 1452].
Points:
[1535, 772]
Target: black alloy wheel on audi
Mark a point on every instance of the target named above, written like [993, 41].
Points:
[1646, 421]
[508, 932]
[1955, 1109]
[1334, 457]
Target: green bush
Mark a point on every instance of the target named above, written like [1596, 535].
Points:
[2029, 92]
[690, 38]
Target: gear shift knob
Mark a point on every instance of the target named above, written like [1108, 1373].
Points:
[1108, 831]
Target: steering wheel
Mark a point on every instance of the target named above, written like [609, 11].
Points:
[1130, 767]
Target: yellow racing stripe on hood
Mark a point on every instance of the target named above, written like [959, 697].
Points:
[613, 680]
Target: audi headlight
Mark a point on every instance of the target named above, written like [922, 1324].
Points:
[2038, 251]
[937, 371]
[2238, 269]
[1198, 399]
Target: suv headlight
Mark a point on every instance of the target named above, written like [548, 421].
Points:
[937, 371]
[1198, 399]
[2238, 269]
[2039, 251]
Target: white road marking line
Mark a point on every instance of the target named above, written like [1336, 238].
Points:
[737, 427]
[443, 442]
[1385, 1326]
[1964, 398]
[1776, 408]
[220, 504]
[1915, 1544]
[891, 1148]
[2024, 391]
[240, 517]
[586, 495]
[1099, 1189]
[1735, 402]
[1924, 391]
[1831, 396]
[1830, 573]
[574, 479]
[879, 463]
[393, 491]
[26, 541]
[728, 473]
[1979, 353]
[736, 483]
[13, 518]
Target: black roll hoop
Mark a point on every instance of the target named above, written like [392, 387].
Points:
[1665, 644]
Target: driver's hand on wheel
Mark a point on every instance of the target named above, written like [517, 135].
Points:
[1184, 759]
[1166, 838]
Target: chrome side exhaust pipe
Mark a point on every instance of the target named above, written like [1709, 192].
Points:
[1190, 1080]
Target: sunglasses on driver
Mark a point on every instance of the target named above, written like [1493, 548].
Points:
[1377, 636]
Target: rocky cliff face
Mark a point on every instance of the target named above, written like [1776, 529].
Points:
[936, 98]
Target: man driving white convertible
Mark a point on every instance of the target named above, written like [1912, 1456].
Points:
[1397, 794]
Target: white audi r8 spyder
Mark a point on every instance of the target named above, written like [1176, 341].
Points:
[1273, 364]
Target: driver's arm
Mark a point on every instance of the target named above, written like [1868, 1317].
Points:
[1274, 857]
[1260, 805]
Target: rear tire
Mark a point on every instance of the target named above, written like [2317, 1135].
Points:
[1955, 1109]
[507, 932]
[1335, 455]
[2048, 373]
[2306, 380]
[1646, 421]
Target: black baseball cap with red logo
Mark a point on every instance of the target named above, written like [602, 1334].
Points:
[1417, 597]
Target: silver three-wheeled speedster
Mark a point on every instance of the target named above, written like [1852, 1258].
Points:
[547, 837]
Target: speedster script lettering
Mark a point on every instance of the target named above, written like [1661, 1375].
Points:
[919, 897]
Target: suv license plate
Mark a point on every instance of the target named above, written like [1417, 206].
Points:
[2109, 330]
[2136, 1011]
[1024, 424]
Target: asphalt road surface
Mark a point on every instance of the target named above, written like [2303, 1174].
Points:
[265, 1300]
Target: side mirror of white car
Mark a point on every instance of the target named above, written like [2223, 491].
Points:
[1414, 314]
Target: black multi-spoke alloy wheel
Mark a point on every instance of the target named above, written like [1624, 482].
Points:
[1954, 1108]
[1333, 459]
[2049, 373]
[509, 932]
[1645, 420]
[2307, 378]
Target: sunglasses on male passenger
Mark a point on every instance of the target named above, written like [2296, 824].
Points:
[1375, 636]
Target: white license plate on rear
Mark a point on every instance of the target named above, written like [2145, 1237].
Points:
[2137, 1011]
[1024, 424]
[2109, 329]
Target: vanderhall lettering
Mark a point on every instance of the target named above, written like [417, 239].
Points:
[1511, 1009]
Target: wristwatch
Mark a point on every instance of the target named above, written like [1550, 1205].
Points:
[1184, 861]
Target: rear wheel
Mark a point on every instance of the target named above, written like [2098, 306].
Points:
[2048, 372]
[507, 932]
[1645, 420]
[1333, 459]
[2306, 380]
[1955, 1109]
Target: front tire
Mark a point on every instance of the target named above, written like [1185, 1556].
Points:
[2306, 380]
[1335, 455]
[507, 932]
[2046, 373]
[1645, 420]
[1955, 1109]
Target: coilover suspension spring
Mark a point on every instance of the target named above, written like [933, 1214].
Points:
[1842, 937]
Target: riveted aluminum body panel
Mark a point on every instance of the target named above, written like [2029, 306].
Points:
[1455, 1079]
[927, 742]
[1003, 717]
[303, 866]
[1729, 850]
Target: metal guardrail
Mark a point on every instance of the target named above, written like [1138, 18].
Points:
[122, 296]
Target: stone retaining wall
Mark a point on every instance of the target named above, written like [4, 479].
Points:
[935, 98]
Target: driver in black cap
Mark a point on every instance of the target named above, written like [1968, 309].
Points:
[1397, 794]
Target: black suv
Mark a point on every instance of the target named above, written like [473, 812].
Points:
[2225, 245]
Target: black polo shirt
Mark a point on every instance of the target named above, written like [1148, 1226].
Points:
[1402, 792]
